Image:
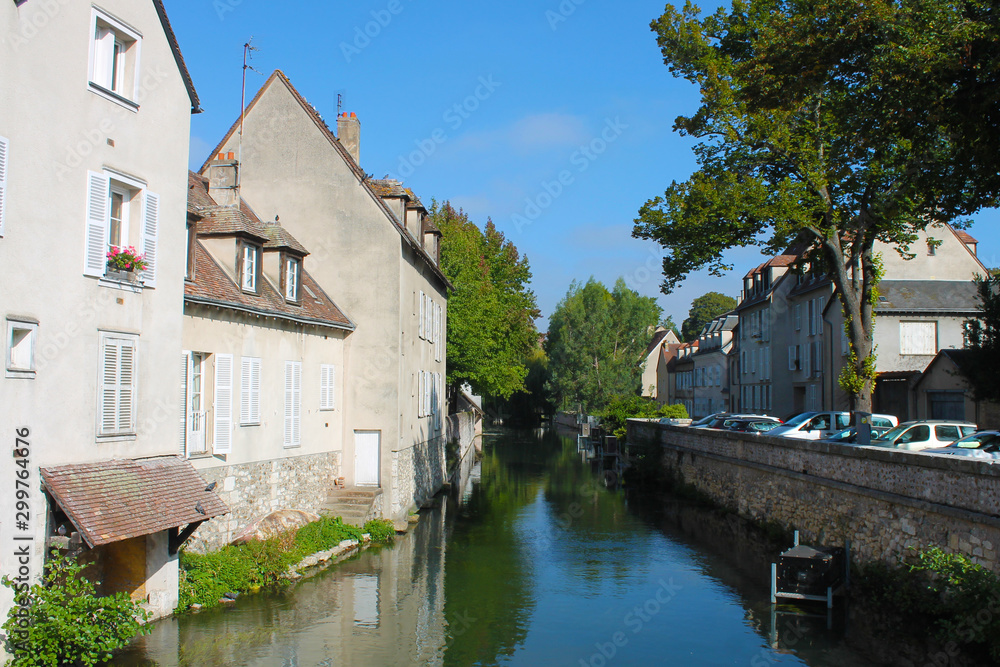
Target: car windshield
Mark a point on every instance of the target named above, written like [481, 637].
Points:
[977, 441]
[800, 418]
[704, 420]
[895, 433]
[763, 425]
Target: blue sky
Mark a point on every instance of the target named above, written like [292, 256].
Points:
[552, 117]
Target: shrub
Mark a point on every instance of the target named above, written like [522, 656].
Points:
[62, 620]
[621, 409]
[380, 530]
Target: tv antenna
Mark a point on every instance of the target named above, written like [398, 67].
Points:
[248, 50]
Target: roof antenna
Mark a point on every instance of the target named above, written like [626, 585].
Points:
[340, 104]
[248, 50]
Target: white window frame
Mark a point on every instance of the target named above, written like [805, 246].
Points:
[249, 256]
[250, 368]
[293, 273]
[116, 389]
[100, 186]
[327, 387]
[128, 64]
[26, 347]
[420, 324]
[293, 404]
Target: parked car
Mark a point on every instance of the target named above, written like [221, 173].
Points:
[822, 425]
[919, 435]
[704, 421]
[981, 445]
[752, 425]
[849, 436]
[722, 422]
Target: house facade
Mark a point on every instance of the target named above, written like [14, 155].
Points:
[262, 364]
[370, 243]
[654, 364]
[90, 374]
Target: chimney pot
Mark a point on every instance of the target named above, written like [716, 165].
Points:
[231, 155]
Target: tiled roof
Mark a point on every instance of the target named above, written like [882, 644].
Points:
[228, 221]
[927, 296]
[280, 238]
[657, 337]
[965, 237]
[414, 200]
[111, 501]
[310, 110]
[388, 187]
[212, 286]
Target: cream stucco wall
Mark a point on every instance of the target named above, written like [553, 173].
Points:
[58, 130]
[291, 170]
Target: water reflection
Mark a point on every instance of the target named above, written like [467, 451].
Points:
[532, 562]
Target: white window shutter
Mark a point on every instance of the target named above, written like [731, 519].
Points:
[420, 325]
[150, 230]
[4, 153]
[246, 378]
[104, 54]
[255, 391]
[185, 366]
[126, 387]
[96, 250]
[223, 404]
[109, 388]
[327, 382]
[293, 403]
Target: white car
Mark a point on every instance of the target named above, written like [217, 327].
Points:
[916, 436]
[982, 445]
[822, 425]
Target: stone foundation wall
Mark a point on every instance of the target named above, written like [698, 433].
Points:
[883, 501]
[254, 490]
[417, 474]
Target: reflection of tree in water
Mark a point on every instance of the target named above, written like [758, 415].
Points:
[488, 592]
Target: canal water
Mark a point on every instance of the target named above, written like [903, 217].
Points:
[534, 562]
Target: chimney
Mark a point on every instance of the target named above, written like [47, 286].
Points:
[349, 133]
[224, 179]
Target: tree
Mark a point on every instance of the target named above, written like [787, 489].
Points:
[669, 325]
[704, 309]
[596, 343]
[834, 125]
[982, 339]
[491, 312]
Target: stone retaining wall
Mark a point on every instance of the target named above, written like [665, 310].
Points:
[254, 490]
[883, 501]
[418, 473]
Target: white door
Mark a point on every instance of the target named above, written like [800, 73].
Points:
[366, 457]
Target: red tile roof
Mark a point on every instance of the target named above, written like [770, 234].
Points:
[212, 286]
[965, 237]
[111, 501]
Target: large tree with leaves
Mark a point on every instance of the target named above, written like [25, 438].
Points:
[704, 309]
[492, 311]
[596, 343]
[835, 125]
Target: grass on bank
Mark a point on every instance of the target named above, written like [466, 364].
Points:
[243, 568]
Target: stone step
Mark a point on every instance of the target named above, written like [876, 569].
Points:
[350, 500]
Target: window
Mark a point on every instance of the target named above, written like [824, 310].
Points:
[420, 323]
[327, 383]
[292, 267]
[4, 151]
[798, 317]
[250, 391]
[21, 337]
[249, 267]
[113, 201]
[116, 414]
[114, 60]
[293, 403]
[918, 338]
[193, 438]
[947, 433]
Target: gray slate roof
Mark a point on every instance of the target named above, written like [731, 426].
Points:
[927, 296]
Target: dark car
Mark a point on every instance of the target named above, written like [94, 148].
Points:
[849, 436]
[755, 425]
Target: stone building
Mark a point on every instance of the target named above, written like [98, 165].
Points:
[371, 243]
[263, 362]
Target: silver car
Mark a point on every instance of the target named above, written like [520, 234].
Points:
[982, 445]
[917, 436]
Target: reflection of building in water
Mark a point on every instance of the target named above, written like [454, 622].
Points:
[384, 607]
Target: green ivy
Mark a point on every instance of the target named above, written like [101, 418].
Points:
[62, 620]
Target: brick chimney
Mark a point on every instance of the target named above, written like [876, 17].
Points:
[224, 179]
[349, 133]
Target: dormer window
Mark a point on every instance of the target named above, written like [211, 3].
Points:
[292, 272]
[249, 267]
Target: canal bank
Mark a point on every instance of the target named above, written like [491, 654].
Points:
[539, 564]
